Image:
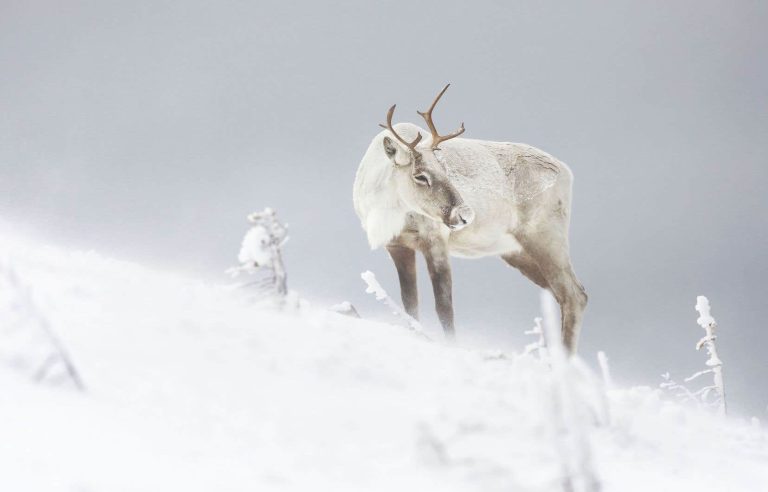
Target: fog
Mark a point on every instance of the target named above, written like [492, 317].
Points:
[149, 130]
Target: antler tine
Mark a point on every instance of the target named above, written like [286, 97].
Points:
[427, 115]
[434, 103]
[411, 145]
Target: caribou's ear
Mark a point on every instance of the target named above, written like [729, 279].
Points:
[389, 148]
[396, 154]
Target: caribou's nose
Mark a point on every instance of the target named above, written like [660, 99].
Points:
[461, 217]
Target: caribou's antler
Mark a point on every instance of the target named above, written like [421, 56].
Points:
[388, 126]
[427, 115]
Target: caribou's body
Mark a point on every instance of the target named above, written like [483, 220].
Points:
[468, 198]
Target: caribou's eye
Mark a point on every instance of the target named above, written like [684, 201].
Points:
[421, 179]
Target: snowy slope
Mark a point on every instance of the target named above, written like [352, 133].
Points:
[188, 387]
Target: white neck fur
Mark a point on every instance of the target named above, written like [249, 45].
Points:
[377, 203]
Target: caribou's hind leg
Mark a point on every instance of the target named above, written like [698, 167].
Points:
[549, 250]
[527, 266]
[405, 262]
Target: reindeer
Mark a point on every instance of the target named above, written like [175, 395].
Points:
[450, 196]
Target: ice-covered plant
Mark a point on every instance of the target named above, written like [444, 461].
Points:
[375, 288]
[539, 346]
[680, 391]
[29, 341]
[703, 396]
[714, 364]
[262, 251]
[569, 408]
[605, 370]
[346, 308]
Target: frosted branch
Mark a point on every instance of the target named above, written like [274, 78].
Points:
[682, 392]
[700, 373]
[375, 288]
[571, 437]
[602, 359]
[540, 345]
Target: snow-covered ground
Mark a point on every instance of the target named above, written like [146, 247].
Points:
[189, 387]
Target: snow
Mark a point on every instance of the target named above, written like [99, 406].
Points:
[255, 248]
[705, 319]
[191, 387]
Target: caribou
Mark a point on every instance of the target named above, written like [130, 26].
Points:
[448, 196]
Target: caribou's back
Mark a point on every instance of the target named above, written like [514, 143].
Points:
[508, 185]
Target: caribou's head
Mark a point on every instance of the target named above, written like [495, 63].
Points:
[422, 180]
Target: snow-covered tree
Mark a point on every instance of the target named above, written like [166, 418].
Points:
[703, 396]
[714, 364]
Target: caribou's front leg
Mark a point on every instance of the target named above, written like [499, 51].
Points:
[440, 272]
[405, 262]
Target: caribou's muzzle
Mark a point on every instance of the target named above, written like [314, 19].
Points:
[460, 217]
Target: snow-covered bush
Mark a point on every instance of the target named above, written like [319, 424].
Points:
[261, 252]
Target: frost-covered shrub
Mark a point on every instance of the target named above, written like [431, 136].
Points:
[261, 254]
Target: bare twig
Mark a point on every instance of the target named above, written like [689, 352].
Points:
[59, 353]
[682, 392]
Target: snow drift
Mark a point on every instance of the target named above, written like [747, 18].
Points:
[190, 387]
